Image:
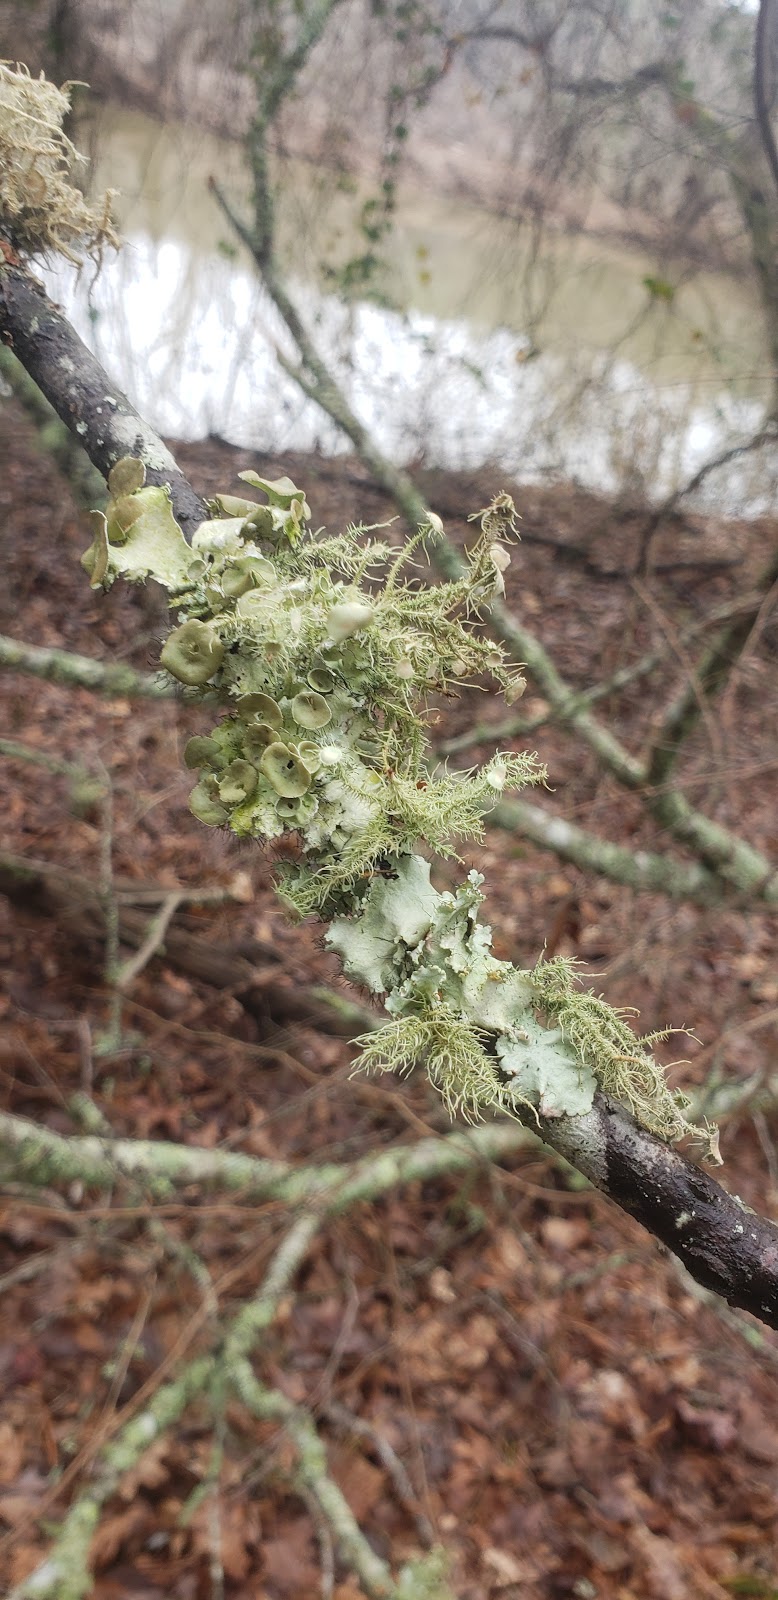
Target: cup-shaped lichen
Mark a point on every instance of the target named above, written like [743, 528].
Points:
[310, 710]
[192, 653]
[237, 782]
[285, 771]
[260, 707]
[201, 752]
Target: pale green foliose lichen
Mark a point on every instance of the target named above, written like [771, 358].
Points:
[467, 1014]
[323, 655]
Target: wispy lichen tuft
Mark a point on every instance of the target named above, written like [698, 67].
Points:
[622, 1062]
[41, 210]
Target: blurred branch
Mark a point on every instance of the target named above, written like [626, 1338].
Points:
[708, 676]
[14, 751]
[53, 435]
[640, 870]
[764, 436]
[516, 727]
[43, 1157]
[357, 1553]
[217, 1378]
[80, 391]
[764, 85]
[273, 81]
[82, 672]
[79, 905]
[724, 1245]
[617, 88]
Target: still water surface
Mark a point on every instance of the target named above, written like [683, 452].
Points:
[549, 358]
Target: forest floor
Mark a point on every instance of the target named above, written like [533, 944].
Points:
[575, 1417]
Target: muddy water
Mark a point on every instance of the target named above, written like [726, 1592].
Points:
[547, 356]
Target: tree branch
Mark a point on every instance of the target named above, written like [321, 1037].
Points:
[83, 396]
[724, 1245]
[82, 672]
[641, 870]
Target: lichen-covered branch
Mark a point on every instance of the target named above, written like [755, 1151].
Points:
[275, 74]
[423, 1579]
[82, 672]
[323, 653]
[641, 870]
[159, 1168]
[65, 1574]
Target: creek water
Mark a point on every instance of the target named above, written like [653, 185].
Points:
[549, 355]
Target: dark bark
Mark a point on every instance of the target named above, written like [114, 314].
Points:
[723, 1244]
[99, 416]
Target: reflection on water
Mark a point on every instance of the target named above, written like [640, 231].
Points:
[192, 336]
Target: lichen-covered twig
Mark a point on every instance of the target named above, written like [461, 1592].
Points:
[158, 1168]
[645, 871]
[111, 678]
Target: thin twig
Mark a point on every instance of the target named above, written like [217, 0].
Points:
[349, 1423]
[129, 970]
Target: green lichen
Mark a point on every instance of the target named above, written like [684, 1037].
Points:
[455, 1006]
[601, 1037]
[325, 656]
[333, 645]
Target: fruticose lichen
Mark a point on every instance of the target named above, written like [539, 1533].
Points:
[41, 210]
[323, 656]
